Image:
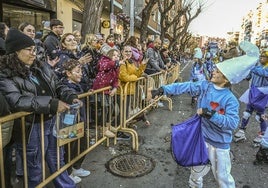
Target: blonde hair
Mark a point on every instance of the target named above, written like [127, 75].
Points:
[110, 53]
[88, 40]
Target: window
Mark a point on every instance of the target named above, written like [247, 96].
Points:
[77, 20]
[13, 16]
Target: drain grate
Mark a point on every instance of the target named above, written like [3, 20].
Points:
[130, 165]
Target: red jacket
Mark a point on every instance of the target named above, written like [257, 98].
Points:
[108, 73]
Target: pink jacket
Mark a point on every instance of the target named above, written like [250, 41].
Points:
[108, 73]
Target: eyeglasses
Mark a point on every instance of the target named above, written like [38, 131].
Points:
[127, 51]
[31, 50]
[70, 40]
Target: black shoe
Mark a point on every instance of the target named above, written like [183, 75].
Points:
[261, 156]
[122, 136]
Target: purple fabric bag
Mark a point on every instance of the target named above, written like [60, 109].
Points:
[187, 143]
[257, 99]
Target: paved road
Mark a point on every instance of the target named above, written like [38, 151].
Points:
[154, 142]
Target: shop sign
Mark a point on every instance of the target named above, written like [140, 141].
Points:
[106, 24]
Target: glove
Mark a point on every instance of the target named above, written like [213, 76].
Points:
[206, 113]
[157, 92]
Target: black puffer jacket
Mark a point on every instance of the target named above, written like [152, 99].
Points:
[90, 70]
[21, 94]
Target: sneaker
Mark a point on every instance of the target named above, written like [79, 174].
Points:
[258, 138]
[160, 104]
[122, 136]
[75, 179]
[80, 172]
[240, 133]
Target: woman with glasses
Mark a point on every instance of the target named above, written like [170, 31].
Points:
[30, 85]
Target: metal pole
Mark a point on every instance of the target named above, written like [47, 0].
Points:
[132, 17]
[111, 16]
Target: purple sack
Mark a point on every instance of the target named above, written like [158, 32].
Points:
[187, 143]
[257, 99]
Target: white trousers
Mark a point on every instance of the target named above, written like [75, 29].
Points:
[221, 168]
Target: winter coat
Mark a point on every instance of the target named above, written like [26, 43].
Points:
[76, 88]
[155, 63]
[52, 45]
[2, 46]
[22, 95]
[90, 70]
[64, 56]
[107, 75]
[129, 72]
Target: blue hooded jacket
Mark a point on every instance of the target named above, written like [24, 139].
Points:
[218, 129]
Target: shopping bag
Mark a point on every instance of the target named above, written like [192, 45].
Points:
[257, 99]
[67, 125]
[187, 143]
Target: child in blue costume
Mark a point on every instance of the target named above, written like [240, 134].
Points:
[259, 78]
[197, 71]
[219, 110]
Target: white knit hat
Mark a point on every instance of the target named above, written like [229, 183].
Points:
[237, 69]
[198, 53]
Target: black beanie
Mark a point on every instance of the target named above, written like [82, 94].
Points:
[17, 40]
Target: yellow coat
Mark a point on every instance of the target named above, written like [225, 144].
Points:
[129, 72]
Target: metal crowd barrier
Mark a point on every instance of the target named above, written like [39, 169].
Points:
[114, 112]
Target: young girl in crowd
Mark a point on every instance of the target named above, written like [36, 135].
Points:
[108, 68]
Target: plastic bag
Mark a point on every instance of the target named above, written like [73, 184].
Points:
[187, 143]
[257, 99]
[66, 126]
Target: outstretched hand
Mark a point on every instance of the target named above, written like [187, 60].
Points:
[157, 92]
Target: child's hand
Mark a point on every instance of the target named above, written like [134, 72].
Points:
[53, 62]
[113, 92]
[145, 61]
[264, 116]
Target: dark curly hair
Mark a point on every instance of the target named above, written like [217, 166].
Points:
[12, 66]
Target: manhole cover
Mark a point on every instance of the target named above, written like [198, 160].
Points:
[130, 165]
